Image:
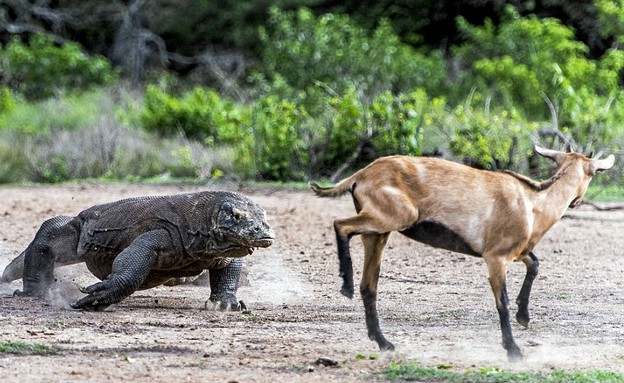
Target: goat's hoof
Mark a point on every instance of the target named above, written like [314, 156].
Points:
[347, 292]
[523, 319]
[384, 345]
[514, 355]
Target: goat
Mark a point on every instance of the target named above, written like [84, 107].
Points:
[499, 216]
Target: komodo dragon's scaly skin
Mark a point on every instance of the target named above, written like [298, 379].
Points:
[142, 242]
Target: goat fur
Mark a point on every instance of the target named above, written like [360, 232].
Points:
[500, 216]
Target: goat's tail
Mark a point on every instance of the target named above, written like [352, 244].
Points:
[337, 190]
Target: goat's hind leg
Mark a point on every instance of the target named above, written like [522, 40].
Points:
[373, 250]
[532, 265]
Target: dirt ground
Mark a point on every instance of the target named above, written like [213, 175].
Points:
[436, 306]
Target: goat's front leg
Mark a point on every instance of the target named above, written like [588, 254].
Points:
[373, 250]
[532, 265]
[497, 270]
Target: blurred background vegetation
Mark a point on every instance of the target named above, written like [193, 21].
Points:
[287, 90]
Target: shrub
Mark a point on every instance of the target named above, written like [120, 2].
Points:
[402, 124]
[337, 52]
[41, 69]
[7, 103]
[61, 113]
[200, 114]
[541, 50]
[291, 144]
[525, 64]
[489, 140]
[280, 151]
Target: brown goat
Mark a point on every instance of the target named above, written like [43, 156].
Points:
[499, 216]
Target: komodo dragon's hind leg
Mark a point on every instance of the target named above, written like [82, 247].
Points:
[224, 284]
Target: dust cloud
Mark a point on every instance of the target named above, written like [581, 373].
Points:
[271, 281]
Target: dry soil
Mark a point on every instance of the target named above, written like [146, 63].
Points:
[436, 306]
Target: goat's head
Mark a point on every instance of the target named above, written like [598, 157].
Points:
[581, 167]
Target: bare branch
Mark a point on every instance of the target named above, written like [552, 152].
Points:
[568, 141]
[363, 142]
[554, 131]
[602, 207]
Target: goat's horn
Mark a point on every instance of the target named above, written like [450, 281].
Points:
[604, 164]
[548, 153]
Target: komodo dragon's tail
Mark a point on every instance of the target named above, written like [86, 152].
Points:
[13, 270]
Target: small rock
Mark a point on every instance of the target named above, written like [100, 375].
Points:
[323, 361]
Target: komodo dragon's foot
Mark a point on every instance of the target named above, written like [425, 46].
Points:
[226, 302]
[100, 297]
[39, 293]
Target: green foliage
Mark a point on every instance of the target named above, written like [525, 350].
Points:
[401, 123]
[490, 141]
[7, 103]
[335, 51]
[41, 69]
[415, 372]
[293, 144]
[327, 96]
[546, 52]
[13, 162]
[82, 137]
[43, 116]
[279, 152]
[199, 114]
[525, 63]
[611, 18]
[232, 23]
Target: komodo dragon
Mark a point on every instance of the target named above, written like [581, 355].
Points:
[143, 242]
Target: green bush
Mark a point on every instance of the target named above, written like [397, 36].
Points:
[403, 124]
[7, 102]
[291, 144]
[199, 114]
[335, 51]
[68, 112]
[490, 140]
[41, 69]
[280, 151]
[525, 64]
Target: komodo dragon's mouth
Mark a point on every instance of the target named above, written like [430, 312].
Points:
[250, 246]
[263, 242]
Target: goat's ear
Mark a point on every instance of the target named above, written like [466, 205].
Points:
[603, 164]
[548, 153]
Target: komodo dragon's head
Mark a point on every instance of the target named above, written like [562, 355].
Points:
[243, 224]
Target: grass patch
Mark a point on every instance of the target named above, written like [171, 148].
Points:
[609, 193]
[416, 373]
[24, 348]
[65, 113]
[249, 316]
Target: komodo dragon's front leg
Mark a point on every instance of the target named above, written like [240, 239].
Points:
[130, 268]
[224, 284]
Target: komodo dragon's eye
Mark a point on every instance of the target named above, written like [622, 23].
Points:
[238, 214]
